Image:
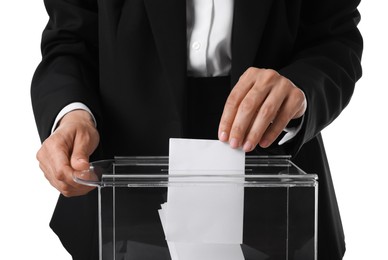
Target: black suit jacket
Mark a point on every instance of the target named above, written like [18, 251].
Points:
[126, 60]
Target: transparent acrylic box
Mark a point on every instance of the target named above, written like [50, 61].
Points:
[279, 207]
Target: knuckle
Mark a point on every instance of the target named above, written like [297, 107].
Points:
[267, 111]
[260, 90]
[237, 131]
[272, 73]
[51, 144]
[282, 122]
[248, 105]
[251, 70]
[59, 175]
[298, 95]
[232, 101]
[284, 85]
[65, 189]
[67, 194]
[50, 140]
[268, 79]
[39, 154]
[254, 137]
[226, 123]
[249, 73]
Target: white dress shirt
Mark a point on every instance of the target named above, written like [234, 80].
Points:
[209, 33]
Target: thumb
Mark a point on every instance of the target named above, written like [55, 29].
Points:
[79, 162]
[80, 155]
[83, 137]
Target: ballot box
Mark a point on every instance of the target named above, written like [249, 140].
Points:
[266, 212]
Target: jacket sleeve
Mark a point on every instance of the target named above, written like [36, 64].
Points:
[326, 64]
[68, 71]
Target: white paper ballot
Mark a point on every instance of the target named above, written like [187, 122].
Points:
[203, 251]
[204, 221]
[205, 213]
[204, 155]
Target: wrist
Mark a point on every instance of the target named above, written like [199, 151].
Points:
[69, 108]
[77, 116]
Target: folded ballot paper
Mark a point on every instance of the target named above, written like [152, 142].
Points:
[204, 221]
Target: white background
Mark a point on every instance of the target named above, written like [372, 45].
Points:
[356, 142]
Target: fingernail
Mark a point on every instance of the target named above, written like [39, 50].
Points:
[223, 136]
[82, 160]
[234, 143]
[247, 147]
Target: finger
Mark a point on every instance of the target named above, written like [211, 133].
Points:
[80, 153]
[238, 93]
[66, 185]
[70, 191]
[47, 162]
[84, 145]
[289, 109]
[266, 116]
[246, 114]
[300, 102]
[54, 179]
[54, 161]
[47, 173]
[80, 162]
[63, 174]
[274, 130]
[230, 110]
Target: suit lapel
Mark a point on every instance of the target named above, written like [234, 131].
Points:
[249, 21]
[168, 24]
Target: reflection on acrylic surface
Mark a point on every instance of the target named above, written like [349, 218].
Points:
[278, 224]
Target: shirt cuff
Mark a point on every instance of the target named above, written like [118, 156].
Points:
[69, 108]
[291, 132]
